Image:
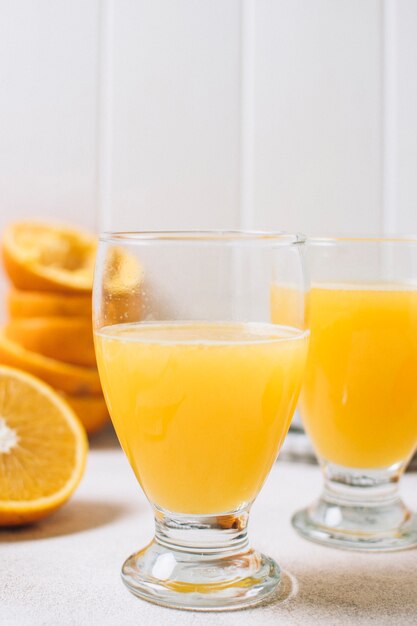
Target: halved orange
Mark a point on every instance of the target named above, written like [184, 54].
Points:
[72, 379]
[90, 410]
[44, 304]
[46, 257]
[43, 449]
[62, 338]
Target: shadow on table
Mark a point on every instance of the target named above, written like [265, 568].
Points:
[383, 591]
[75, 517]
[105, 439]
[286, 592]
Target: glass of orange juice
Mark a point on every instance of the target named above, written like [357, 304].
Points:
[359, 396]
[201, 387]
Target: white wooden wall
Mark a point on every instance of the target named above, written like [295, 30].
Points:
[150, 114]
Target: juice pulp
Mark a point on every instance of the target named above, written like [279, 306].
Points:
[201, 410]
[359, 397]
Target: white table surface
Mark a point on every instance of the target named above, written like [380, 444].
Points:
[66, 570]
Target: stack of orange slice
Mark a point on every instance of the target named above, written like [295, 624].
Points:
[49, 332]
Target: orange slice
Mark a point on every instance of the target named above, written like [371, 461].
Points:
[122, 282]
[43, 449]
[72, 379]
[44, 257]
[45, 304]
[90, 410]
[122, 271]
[62, 338]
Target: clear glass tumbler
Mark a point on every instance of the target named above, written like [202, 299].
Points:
[201, 387]
[359, 397]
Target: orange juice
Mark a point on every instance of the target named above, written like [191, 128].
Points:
[201, 410]
[359, 397]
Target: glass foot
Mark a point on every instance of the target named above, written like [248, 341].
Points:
[314, 523]
[206, 583]
[359, 510]
[203, 564]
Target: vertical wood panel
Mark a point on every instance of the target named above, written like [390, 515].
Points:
[317, 144]
[406, 116]
[247, 113]
[389, 117]
[48, 77]
[175, 127]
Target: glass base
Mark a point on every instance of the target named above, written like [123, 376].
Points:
[203, 564]
[359, 510]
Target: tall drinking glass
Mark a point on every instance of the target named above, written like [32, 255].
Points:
[359, 397]
[201, 387]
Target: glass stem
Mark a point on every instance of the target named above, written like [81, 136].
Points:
[203, 535]
[361, 487]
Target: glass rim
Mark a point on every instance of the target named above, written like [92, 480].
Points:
[364, 239]
[204, 236]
